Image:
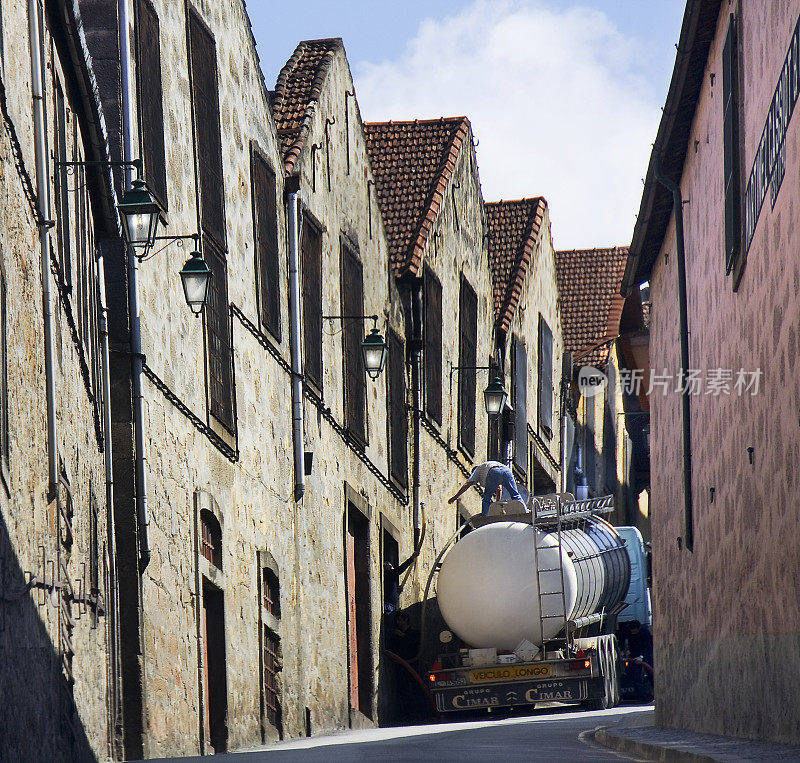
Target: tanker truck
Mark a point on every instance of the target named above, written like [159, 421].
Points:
[529, 601]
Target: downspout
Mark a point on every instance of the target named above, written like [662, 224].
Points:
[116, 668]
[43, 193]
[416, 385]
[677, 209]
[137, 363]
[293, 187]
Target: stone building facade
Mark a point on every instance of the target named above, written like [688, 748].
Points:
[227, 582]
[57, 587]
[724, 523]
[604, 331]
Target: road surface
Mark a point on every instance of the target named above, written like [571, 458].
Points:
[555, 734]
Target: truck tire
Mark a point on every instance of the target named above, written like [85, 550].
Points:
[608, 670]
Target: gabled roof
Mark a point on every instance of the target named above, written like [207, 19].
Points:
[296, 94]
[672, 140]
[412, 163]
[589, 283]
[514, 229]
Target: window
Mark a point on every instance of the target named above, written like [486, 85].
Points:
[467, 355]
[210, 538]
[311, 246]
[432, 330]
[519, 401]
[590, 449]
[730, 141]
[270, 592]
[398, 419]
[4, 433]
[205, 105]
[218, 339]
[265, 223]
[545, 378]
[61, 188]
[272, 702]
[149, 99]
[355, 393]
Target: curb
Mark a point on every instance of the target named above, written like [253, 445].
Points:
[648, 750]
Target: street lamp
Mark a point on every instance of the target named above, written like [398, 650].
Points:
[140, 214]
[374, 351]
[373, 347]
[494, 396]
[196, 276]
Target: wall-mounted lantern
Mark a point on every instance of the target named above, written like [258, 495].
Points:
[373, 347]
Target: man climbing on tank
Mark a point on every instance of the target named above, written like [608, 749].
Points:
[493, 477]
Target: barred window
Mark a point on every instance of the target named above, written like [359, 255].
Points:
[432, 331]
[312, 303]
[467, 358]
[270, 592]
[210, 538]
[205, 104]
[61, 188]
[265, 223]
[519, 401]
[352, 297]
[398, 418]
[149, 99]
[218, 338]
[272, 701]
[545, 378]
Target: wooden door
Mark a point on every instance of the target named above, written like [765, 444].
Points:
[352, 628]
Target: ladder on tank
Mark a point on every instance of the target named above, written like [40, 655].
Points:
[544, 510]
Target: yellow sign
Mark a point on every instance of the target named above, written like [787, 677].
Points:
[509, 673]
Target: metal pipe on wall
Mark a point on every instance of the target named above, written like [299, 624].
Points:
[416, 384]
[134, 315]
[677, 210]
[294, 347]
[35, 19]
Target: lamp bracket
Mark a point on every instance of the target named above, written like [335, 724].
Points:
[169, 240]
[135, 163]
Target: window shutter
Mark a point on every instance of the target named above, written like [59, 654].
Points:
[520, 403]
[730, 139]
[265, 222]
[353, 334]
[312, 304]
[545, 377]
[205, 101]
[149, 97]
[433, 345]
[398, 420]
[62, 189]
[218, 337]
[467, 358]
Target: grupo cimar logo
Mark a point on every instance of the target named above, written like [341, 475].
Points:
[591, 382]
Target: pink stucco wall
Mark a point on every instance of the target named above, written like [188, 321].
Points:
[727, 615]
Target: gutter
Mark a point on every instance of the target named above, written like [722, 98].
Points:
[294, 213]
[35, 17]
[677, 209]
[137, 359]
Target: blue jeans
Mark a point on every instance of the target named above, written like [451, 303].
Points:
[499, 475]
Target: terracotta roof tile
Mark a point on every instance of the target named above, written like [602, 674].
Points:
[514, 229]
[296, 94]
[588, 284]
[412, 163]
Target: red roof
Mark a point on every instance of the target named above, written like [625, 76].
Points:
[412, 163]
[588, 285]
[514, 229]
[296, 94]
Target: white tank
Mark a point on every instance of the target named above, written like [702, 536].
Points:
[488, 588]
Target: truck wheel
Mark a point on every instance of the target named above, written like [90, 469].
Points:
[606, 668]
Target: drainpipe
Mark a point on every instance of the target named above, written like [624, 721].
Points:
[416, 385]
[43, 192]
[677, 209]
[133, 296]
[293, 202]
[110, 528]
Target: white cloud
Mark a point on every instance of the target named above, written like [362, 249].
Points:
[556, 99]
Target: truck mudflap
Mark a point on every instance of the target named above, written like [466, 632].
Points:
[519, 693]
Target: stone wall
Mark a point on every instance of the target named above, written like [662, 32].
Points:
[724, 612]
[53, 649]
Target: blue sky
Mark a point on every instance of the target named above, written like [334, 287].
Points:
[582, 81]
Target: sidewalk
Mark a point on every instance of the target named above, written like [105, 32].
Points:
[636, 735]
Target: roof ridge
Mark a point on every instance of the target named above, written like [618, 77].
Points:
[431, 121]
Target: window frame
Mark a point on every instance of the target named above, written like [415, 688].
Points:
[432, 348]
[354, 380]
[467, 360]
[312, 339]
[396, 403]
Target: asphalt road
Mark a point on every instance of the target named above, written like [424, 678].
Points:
[555, 734]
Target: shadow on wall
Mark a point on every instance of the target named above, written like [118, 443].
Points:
[38, 717]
